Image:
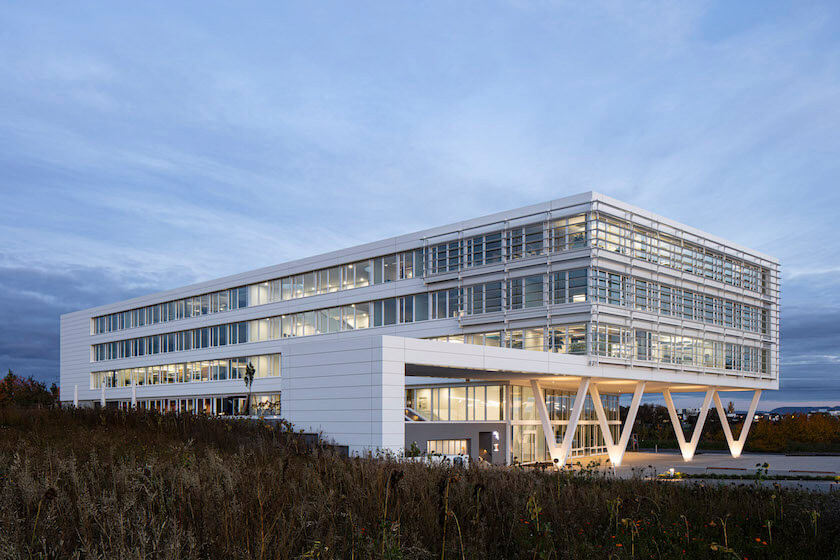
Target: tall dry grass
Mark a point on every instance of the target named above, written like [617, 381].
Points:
[110, 484]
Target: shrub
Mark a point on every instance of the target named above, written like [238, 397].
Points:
[19, 391]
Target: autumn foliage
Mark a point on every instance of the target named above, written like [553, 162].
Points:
[796, 432]
[20, 391]
[790, 433]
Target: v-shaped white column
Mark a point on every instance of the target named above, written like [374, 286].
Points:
[737, 446]
[559, 453]
[688, 448]
[616, 450]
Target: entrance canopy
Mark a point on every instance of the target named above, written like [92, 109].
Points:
[583, 375]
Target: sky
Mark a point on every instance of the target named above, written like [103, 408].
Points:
[146, 146]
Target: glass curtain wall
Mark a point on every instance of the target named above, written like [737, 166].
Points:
[267, 365]
[389, 268]
[528, 443]
[452, 404]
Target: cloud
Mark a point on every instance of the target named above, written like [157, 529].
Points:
[142, 148]
[34, 299]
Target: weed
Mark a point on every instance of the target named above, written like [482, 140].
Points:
[111, 484]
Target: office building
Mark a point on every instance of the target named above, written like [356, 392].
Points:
[509, 337]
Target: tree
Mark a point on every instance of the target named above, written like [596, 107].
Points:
[16, 390]
[249, 380]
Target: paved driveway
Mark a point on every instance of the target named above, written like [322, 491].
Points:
[641, 463]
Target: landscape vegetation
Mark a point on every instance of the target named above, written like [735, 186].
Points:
[791, 433]
[88, 483]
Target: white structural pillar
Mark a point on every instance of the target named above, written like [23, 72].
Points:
[688, 448]
[616, 450]
[548, 429]
[561, 453]
[737, 446]
[76, 396]
[134, 392]
[102, 396]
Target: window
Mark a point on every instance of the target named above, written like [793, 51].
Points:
[362, 269]
[297, 286]
[568, 233]
[323, 281]
[310, 281]
[493, 248]
[454, 301]
[406, 262]
[557, 340]
[390, 268]
[439, 305]
[419, 263]
[483, 298]
[515, 242]
[362, 315]
[523, 403]
[534, 291]
[406, 309]
[475, 299]
[476, 409]
[423, 403]
[448, 446]
[438, 259]
[558, 287]
[421, 307]
[494, 402]
[533, 339]
[454, 256]
[609, 288]
[492, 297]
[577, 285]
[618, 235]
[458, 404]
[390, 311]
[440, 404]
[348, 276]
[258, 294]
[533, 240]
[287, 288]
[212, 370]
[665, 304]
[577, 339]
[514, 293]
[309, 323]
[475, 251]
[643, 345]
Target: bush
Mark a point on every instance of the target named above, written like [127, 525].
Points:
[791, 433]
[15, 390]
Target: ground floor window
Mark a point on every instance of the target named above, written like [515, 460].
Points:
[261, 405]
[528, 441]
[446, 404]
[448, 446]
[267, 365]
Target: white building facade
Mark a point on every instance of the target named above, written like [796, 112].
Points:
[508, 337]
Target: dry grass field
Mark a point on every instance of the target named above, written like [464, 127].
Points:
[109, 484]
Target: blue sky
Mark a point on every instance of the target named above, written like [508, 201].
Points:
[150, 145]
